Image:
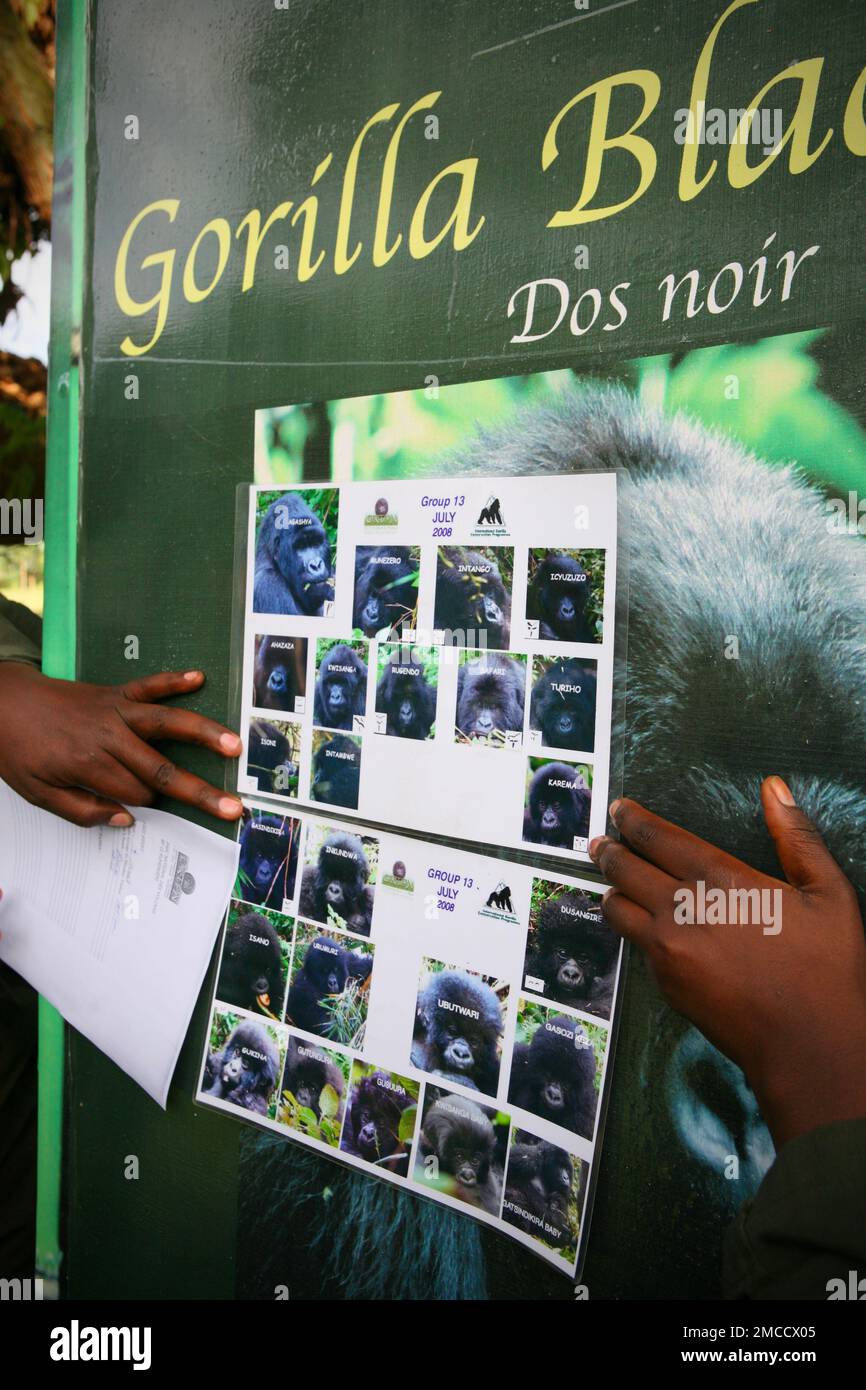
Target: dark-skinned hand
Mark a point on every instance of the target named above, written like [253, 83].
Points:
[788, 1006]
[83, 751]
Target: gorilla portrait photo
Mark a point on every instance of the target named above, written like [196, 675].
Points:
[559, 597]
[471, 598]
[539, 1185]
[268, 861]
[293, 559]
[405, 695]
[279, 672]
[386, 588]
[246, 1070]
[562, 705]
[557, 806]
[272, 756]
[341, 688]
[490, 693]
[326, 970]
[458, 1028]
[335, 885]
[308, 1071]
[252, 970]
[571, 955]
[460, 1151]
[374, 1117]
[553, 1076]
[336, 775]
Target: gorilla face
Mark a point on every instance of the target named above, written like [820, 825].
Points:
[280, 672]
[293, 560]
[406, 697]
[337, 772]
[386, 588]
[558, 597]
[308, 1072]
[341, 689]
[251, 972]
[461, 1136]
[268, 860]
[558, 809]
[573, 953]
[490, 691]
[471, 599]
[459, 1023]
[337, 884]
[563, 705]
[554, 1076]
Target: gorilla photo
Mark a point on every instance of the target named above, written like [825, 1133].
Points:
[557, 807]
[471, 598]
[571, 955]
[279, 672]
[272, 756]
[539, 1186]
[377, 1105]
[553, 1076]
[308, 1071]
[252, 971]
[562, 705]
[460, 1150]
[490, 694]
[405, 695]
[245, 1072]
[268, 862]
[559, 598]
[458, 1027]
[341, 688]
[335, 885]
[293, 559]
[327, 969]
[336, 775]
[386, 588]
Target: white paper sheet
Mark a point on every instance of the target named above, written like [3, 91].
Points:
[114, 927]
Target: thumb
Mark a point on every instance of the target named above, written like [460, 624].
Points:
[805, 858]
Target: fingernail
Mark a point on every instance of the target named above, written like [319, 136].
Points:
[595, 846]
[121, 819]
[614, 809]
[193, 675]
[230, 743]
[781, 791]
[229, 806]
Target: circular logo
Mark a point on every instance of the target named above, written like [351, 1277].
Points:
[381, 507]
[188, 883]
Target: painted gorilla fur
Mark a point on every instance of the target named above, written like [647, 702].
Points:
[490, 694]
[457, 1030]
[406, 698]
[574, 953]
[562, 706]
[796, 597]
[341, 689]
[372, 1127]
[336, 885]
[251, 973]
[553, 1076]
[293, 560]
[245, 1071]
[557, 807]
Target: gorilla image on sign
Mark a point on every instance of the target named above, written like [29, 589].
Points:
[268, 862]
[336, 773]
[311, 1096]
[571, 955]
[405, 694]
[553, 1074]
[330, 984]
[461, 1149]
[273, 753]
[544, 1191]
[253, 967]
[245, 1070]
[335, 888]
[561, 596]
[280, 673]
[490, 694]
[558, 801]
[562, 703]
[386, 588]
[380, 1119]
[341, 685]
[473, 604]
[293, 571]
[458, 1028]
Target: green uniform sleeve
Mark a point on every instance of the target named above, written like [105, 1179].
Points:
[20, 633]
[806, 1226]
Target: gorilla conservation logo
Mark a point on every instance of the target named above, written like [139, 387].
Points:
[380, 515]
[182, 880]
[499, 904]
[490, 522]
